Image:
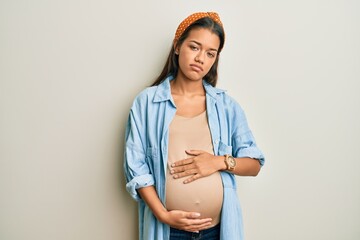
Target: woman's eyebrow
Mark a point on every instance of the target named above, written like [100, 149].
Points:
[196, 42]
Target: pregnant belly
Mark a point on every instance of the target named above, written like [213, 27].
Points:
[204, 195]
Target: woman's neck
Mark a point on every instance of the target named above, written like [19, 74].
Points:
[180, 86]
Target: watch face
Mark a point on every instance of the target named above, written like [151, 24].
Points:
[232, 162]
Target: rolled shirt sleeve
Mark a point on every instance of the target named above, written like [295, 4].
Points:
[139, 182]
[243, 141]
[245, 146]
[137, 171]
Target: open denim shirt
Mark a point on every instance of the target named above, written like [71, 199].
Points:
[146, 152]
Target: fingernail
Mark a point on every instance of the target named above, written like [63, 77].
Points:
[173, 165]
[175, 176]
[171, 171]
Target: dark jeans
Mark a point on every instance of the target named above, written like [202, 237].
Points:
[207, 234]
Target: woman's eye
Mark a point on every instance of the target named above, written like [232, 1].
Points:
[193, 48]
[211, 55]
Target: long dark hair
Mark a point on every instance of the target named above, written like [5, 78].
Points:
[172, 64]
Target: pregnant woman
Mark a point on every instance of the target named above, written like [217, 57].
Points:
[186, 140]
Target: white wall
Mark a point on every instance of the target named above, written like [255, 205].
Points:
[69, 70]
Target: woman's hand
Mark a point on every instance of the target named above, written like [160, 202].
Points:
[187, 221]
[201, 164]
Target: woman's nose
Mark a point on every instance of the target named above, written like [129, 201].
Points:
[199, 58]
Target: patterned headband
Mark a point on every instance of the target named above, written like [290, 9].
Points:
[193, 18]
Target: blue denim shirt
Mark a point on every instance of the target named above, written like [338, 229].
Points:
[146, 152]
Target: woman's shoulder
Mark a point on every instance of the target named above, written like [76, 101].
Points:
[146, 92]
[143, 97]
[162, 89]
[229, 102]
[222, 95]
[218, 93]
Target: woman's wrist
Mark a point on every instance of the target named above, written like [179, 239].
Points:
[162, 215]
[221, 163]
[149, 195]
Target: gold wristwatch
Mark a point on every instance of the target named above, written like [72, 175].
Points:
[230, 162]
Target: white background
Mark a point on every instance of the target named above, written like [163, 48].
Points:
[70, 69]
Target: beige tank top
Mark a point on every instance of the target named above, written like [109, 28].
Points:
[204, 195]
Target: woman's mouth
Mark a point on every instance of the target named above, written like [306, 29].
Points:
[196, 68]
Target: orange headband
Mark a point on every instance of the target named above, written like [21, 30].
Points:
[193, 18]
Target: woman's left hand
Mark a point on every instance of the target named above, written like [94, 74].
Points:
[201, 164]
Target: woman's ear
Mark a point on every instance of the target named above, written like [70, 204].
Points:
[176, 48]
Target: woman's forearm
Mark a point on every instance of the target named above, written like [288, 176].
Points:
[244, 166]
[203, 164]
[151, 198]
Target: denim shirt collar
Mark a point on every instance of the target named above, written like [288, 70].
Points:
[163, 91]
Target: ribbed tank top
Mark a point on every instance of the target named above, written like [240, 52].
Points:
[204, 195]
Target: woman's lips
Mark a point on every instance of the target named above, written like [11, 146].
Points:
[196, 68]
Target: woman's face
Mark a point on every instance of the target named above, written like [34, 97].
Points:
[197, 54]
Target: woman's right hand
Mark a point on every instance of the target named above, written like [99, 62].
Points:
[187, 221]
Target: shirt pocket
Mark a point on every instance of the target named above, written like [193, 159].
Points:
[224, 149]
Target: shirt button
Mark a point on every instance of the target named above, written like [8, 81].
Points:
[217, 141]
